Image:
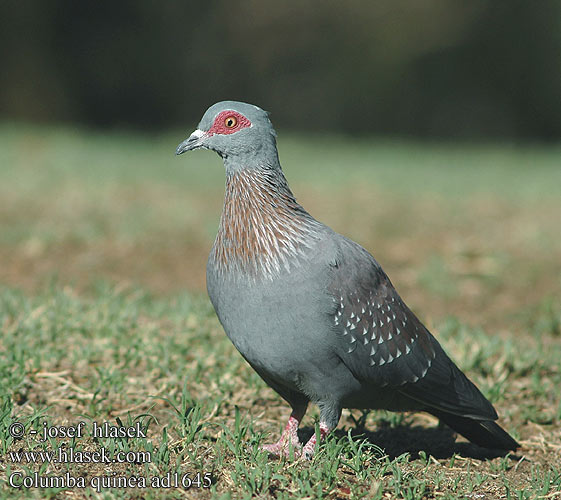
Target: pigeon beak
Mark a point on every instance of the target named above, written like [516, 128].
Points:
[194, 141]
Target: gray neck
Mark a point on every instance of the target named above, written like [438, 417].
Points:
[253, 155]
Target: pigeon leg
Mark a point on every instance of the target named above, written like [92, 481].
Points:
[310, 447]
[289, 438]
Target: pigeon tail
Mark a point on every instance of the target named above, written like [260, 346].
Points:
[484, 433]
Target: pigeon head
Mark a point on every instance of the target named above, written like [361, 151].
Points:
[240, 133]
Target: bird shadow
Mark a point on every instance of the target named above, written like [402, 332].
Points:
[395, 440]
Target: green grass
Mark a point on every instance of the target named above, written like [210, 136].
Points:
[125, 356]
[103, 315]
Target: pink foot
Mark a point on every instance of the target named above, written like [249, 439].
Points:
[288, 441]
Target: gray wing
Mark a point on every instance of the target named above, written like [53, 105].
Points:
[384, 344]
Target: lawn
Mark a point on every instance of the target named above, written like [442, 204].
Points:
[103, 246]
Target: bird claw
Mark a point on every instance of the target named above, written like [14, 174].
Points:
[290, 450]
[289, 446]
[283, 448]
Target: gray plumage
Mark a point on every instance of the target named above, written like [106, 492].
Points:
[312, 311]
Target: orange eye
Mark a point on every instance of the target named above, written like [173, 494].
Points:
[231, 122]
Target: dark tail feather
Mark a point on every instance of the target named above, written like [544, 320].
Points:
[484, 433]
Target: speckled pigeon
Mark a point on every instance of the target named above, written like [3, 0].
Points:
[310, 310]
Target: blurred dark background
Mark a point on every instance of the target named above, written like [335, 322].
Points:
[438, 68]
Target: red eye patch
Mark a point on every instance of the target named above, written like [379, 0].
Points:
[228, 122]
